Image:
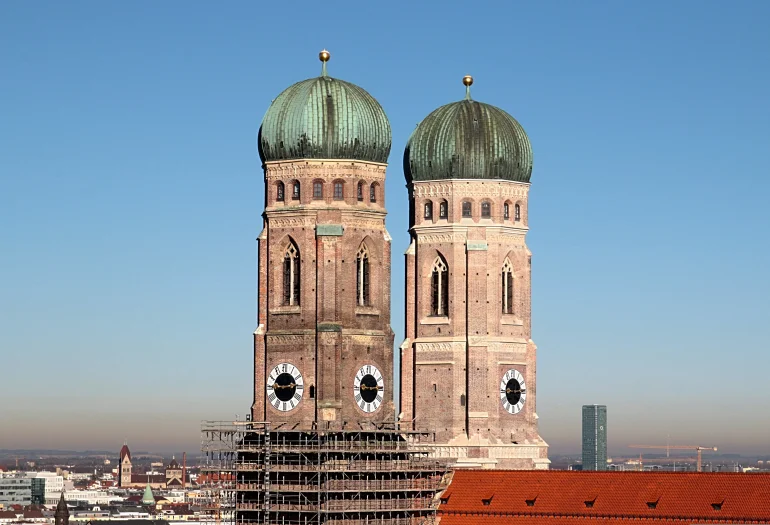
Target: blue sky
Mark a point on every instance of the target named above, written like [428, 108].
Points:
[131, 194]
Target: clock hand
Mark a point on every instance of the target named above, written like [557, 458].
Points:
[278, 387]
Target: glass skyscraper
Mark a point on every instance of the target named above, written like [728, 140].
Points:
[594, 437]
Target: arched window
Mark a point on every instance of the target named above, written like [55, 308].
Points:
[506, 211]
[466, 209]
[360, 191]
[362, 277]
[442, 210]
[318, 190]
[507, 291]
[312, 391]
[428, 210]
[517, 213]
[279, 192]
[373, 192]
[338, 191]
[295, 190]
[439, 289]
[291, 276]
[486, 209]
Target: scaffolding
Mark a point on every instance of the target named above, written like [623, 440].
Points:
[371, 474]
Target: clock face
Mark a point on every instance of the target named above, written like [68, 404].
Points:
[513, 391]
[284, 387]
[369, 388]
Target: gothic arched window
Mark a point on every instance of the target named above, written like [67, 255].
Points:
[507, 287]
[506, 211]
[442, 210]
[373, 192]
[295, 190]
[428, 210]
[486, 209]
[291, 275]
[439, 288]
[279, 192]
[362, 277]
[466, 209]
[318, 189]
[360, 191]
[517, 213]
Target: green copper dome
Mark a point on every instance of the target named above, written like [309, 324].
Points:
[468, 140]
[325, 118]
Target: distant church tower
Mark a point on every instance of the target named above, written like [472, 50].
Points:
[124, 467]
[323, 348]
[62, 514]
[468, 361]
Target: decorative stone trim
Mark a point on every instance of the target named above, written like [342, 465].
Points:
[332, 230]
[476, 246]
[470, 188]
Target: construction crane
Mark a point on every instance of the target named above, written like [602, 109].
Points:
[697, 448]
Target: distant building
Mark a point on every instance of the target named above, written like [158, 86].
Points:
[37, 486]
[15, 491]
[594, 437]
[127, 478]
[54, 483]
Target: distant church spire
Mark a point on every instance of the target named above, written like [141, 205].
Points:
[62, 514]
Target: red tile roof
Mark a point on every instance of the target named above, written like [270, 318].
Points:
[125, 452]
[560, 497]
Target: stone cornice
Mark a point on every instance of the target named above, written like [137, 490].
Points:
[469, 188]
[324, 169]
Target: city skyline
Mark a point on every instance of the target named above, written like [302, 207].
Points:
[135, 189]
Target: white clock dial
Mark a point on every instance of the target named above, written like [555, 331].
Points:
[513, 391]
[369, 388]
[285, 387]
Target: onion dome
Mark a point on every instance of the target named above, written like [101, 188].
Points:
[468, 140]
[325, 118]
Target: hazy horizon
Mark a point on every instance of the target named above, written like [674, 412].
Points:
[131, 196]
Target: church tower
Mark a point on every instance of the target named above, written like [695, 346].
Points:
[62, 514]
[468, 361]
[323, 348]
[124, 467]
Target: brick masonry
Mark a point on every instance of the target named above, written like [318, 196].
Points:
[452, 365]
[328, 336]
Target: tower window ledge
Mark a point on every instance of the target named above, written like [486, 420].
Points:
[438, 319]
[284, 310]
[367, 310]
[511, 320]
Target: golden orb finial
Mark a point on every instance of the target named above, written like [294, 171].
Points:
[467, 80]
[324, 57]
